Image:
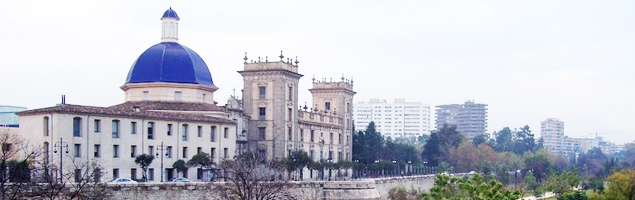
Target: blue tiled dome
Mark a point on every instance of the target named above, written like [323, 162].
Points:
[170, 62]
[170, 14]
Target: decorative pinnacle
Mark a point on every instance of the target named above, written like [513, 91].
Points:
[245, 58]
[313, 78]
[266, 58]
[296, 61]
[342, 77]
[281, 56]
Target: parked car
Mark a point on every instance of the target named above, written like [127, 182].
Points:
[181, 180]
[123, 181]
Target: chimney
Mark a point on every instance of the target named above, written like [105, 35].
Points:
[63, 99]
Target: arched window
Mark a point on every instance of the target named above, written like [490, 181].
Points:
[45, 125]
[46, 152]
[184, 134]
[115, 128]
[151, 130]
[77, 127]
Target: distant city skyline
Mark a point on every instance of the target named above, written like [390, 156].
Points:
[528, 61]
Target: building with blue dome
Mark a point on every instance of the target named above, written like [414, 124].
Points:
[170, 112]
[169, 71]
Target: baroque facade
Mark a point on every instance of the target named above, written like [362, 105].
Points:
[169, 112]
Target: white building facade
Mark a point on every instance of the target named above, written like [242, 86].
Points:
[399, 118]
[170, 113]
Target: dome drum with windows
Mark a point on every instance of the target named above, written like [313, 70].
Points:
[169, 71]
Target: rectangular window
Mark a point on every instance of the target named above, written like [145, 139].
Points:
[311, 154]
[199, 173]
[226, 153]
[331, 138]
[115, 151]
[115, 173]
[290, 93]
[150, 130]
[184, 134]
[262, 112]
[184, 152]
[169, 152]
[199, 150]
[213, 153]
[151, 174]
[312, 136]
[97, 175]
[339, 139]
[327, 105]
[301, 135]
[133, 151]
[77, 127]
[78, 175]
[46, 126]
[212, 134]
[77, 150]
[133, 174]
[133, 127]
[290, 114]
[177, 96]
[261, 133]
[200, 131]
[115, 128]
[290, 133]
[262, 91]
[185, 173]
[146, 95]
[226, 133]
[96, 151]
[262, 154]
[97, 126]
[151, 150]
[169, 129]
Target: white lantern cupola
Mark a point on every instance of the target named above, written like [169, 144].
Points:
[170, 22]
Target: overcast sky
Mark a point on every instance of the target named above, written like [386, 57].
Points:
[528, 60]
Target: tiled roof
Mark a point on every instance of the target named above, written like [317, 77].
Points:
[147, 110]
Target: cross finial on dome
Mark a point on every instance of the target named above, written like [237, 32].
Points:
[281, 56]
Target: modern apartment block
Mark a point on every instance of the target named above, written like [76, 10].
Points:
[552, 133]
[470, 118]
[394, 119]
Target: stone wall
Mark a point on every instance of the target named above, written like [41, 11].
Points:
[311, 190]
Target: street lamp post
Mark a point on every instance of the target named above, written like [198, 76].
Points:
[377, 164]
[355, 171]
[161, 148]
[395, 170]
[330, 167]
[61, 144]
[516, 178]
[409, 168]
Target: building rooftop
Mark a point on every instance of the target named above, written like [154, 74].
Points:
[143, 109]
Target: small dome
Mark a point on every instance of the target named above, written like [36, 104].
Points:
[170, 14]
[170, 62]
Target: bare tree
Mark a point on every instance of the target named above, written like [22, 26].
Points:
[251, 178]
[16, 157]
[81, 181]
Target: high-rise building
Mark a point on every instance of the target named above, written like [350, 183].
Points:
[470, 118]
[552, 133]
[395, 119]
